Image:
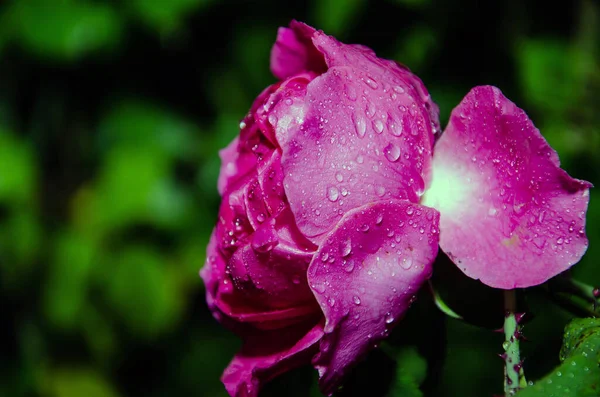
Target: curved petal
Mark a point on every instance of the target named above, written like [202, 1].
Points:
[229, 167]
[510, 216]
[360, 141]
[365, 276]
[212, 272]
[269, 272]
[293, 52]
[266, 354]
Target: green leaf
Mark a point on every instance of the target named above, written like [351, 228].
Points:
[336, 16]
[579, 373]
[553, 74]
[18, 174]
[136, 186]
[142, 291]
[416, 47]
[164, 16]
[65, 293]
[78, 383]
[411, 370]
[66, 30]
[136, 123]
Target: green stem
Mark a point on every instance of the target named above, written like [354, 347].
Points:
[514, 377]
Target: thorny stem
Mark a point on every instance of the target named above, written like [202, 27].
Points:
[514, 376]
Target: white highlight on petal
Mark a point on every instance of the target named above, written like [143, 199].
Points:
[452, 189]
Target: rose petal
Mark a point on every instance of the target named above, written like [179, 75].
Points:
[269, 272]
[233, 225]
[293, 52]
[212, 271]
[267, 354]
[509, 215]
[356, 145]
[365, 276]
[229, 167]
[270, 179]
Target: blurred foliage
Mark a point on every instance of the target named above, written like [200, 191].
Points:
[111, 116]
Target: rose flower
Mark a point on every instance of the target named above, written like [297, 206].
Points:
[334, 205]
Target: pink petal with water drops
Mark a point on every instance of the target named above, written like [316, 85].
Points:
[365, 276]
[212, 273]
[271, 272]
[266, 354]
[510, 216]
[293, 52]
[356, 145]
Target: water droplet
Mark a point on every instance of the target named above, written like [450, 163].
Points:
[389, 318]
[273, 119]
[361, 126]
[333, 193]
[346, 247]
[360, 159]
[242, 125]
[364, 228]
[356, 300]
[406, 263]
[348, 266]
[370, 110]
[560, 240]
[391, 152]
[395, 129]
[379, 219]
[492, 211]
[371, 83]
[289, 101]
[399, 89]
[260, 218]
[339, 177]
[324, 256]
[331, 301]
[409, 210]
[320, 287]
[541, 216]
[379, 190]
[378, 125]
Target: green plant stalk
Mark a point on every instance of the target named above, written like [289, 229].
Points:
[514, 376]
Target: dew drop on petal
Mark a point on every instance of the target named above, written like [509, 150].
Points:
[391, 152]
[378, 126]
[356, 300]
[346, 247]
[361, 126]
[333, 193]
[406, 263]
[339, 177]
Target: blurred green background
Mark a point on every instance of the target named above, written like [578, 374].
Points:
[111, 115]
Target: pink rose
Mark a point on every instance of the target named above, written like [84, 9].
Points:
[334, 206]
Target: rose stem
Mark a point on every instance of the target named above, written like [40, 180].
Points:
[514, 377]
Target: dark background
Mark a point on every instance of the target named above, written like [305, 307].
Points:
[111, 115]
